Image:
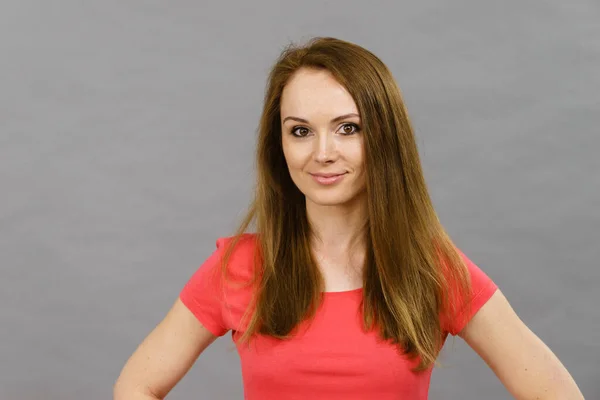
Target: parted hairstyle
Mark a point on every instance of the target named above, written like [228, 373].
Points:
[413, 272]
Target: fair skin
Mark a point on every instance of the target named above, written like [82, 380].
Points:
[164, 357]
[523, 363]
[325, 144]
[321, 134]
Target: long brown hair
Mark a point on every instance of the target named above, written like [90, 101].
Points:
[411, 264]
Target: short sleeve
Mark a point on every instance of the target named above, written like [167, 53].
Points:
[482, 289]
[220, 302]
[203, 294]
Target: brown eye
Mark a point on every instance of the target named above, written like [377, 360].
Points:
[349, 129]
[300, 131]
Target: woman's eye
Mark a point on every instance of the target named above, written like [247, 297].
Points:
[349, 129]
[300, 131]
[345, 129]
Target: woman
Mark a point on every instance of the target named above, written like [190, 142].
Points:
[350, 285]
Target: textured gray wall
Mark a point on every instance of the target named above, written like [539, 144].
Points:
[126, 142]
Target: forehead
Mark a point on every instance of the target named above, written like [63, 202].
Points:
[312, 92]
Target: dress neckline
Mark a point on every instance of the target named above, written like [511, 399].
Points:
[342, 292]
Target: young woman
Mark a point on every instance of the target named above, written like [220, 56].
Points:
[350, 285]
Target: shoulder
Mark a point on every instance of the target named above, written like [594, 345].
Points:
[244, 244]
[241, 253]
[219, 300]
[480, 280]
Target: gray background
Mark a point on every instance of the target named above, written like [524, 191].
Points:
[127, 131]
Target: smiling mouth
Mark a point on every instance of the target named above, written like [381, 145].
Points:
[327, 174]
[328, 179]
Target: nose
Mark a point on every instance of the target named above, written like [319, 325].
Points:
[325, 151]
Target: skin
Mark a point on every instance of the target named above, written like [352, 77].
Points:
[523, 363]
[321, 133]
[164, 357]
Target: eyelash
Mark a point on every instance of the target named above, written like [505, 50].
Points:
[355, 126]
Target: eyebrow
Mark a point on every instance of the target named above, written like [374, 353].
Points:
[336, 119]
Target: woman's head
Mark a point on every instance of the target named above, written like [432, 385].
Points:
[411, 265]
[322, 139]
[373, 145]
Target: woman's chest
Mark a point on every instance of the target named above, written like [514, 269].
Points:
[331, 356]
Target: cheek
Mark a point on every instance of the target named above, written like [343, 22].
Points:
[355, 155]
[296, 156]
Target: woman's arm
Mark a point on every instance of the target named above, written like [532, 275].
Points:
[524, 364]
[164, 357]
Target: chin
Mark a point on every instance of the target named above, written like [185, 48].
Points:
[330, 199]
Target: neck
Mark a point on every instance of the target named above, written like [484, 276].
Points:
[337, 229]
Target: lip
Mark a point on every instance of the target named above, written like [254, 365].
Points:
[328, 175]
[329, 178]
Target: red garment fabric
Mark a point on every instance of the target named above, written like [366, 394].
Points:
[330, 357]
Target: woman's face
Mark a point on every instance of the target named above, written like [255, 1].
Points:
[322, 138]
